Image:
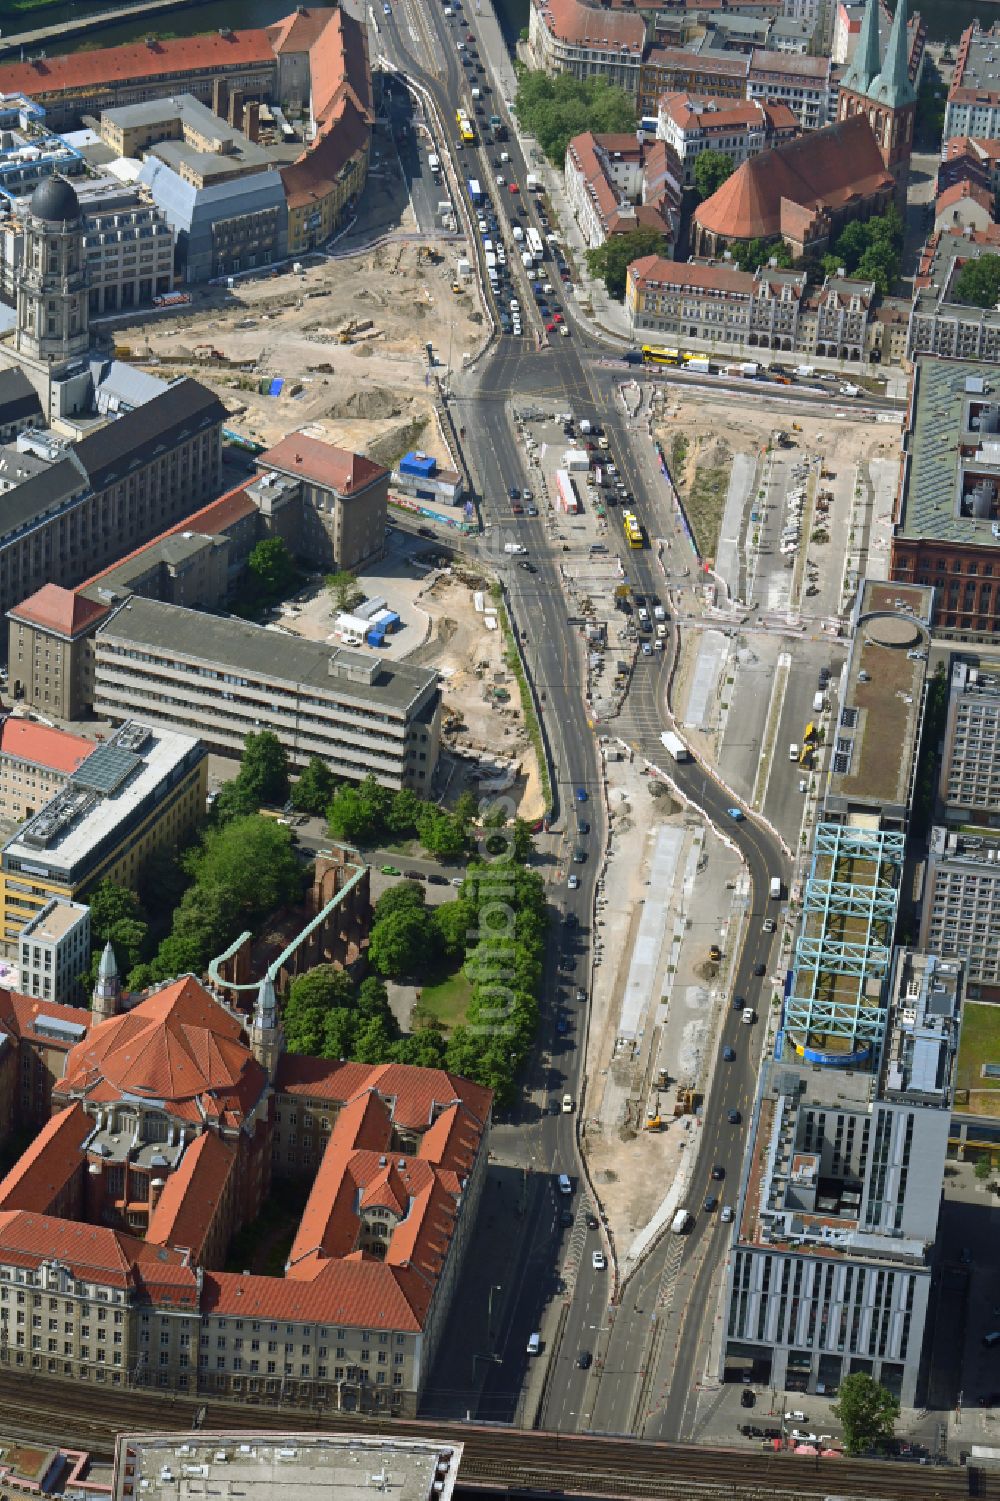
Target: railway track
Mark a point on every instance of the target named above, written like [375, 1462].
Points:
[500, 1459]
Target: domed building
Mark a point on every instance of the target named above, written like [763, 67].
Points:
[52, 313]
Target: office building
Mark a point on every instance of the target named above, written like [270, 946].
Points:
[960, 916]
[35, 763]
[169, 1120]
[702, 73]
[969, 788]
[48, 666]
[797, 80]
[220, 678]
[54, 952]
[830, 1270]
[947, 528]
[139, 791]
[329, 504]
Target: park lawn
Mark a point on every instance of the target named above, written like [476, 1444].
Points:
[447, 1001]
[980, 1044]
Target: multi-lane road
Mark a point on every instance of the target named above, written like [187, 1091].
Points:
[641, 1380]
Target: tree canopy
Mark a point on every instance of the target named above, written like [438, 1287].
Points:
[978, 282]
[262, 779]
[557, 108]
[313, 792]
[867, 1410]
[711, 169]
[753, 253]
[272, 568]
[345, 589]
[869, 249]
[611, 260]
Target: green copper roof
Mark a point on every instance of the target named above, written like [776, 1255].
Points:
[864, 64]
[893, 86]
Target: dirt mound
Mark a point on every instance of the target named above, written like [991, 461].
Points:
[375, 404]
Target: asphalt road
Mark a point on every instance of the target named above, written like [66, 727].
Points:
[573, 374]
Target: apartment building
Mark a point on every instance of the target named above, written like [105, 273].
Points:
[973, 107]
[715, 305]
[618, 183]
[969, 788]
[738, 131]
[961, 906]
[568, 36]
[947, 527]
[707, 73]
[48, 664]
[139, 791]
[799, 81]
[54, 952]
[939, 323]
[220, 678]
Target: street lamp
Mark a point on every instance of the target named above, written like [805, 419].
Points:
[497, 1287]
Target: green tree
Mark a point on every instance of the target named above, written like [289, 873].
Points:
[424, 1048]
[982, 1169]
[401, 945]
[311, 1001]
[338, 1034]
[373, 998]
[401, 820]
[264, 768]
[314, 790]
[359, 811]
[345, 589]
[109, 903]
[253, 861]
[867, 1411]
[235, 800]
[755, 253]
[451, 928]
[272, 568]
[711, 169]
[405, 896]
[441, 834]
[374, 1039]
[611, 260]
[978, 282]
[557, 108]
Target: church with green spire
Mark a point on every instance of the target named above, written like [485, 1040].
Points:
[880, 88]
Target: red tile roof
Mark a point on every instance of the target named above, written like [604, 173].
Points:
[92, 1252]
[192, 1196]
[299, 30]
[964, 189]
[42, 746]
[59, 610]
[316, 172]
[825, 169]
[43, 1170]
[602, 30]
[210, 521]
[653, 269]
[726, 114]
[362, 1293]
[85, 70]
[21, 1015]
[338, 67]
[322, 463]
[178, 1045]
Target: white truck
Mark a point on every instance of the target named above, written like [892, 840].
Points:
[514, 548]
[700, 364]
[819, 702]
[532, 183]
[681, 1221]
[775, 888]
[675, 745]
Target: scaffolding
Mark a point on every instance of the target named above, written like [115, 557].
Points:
[835, 1008]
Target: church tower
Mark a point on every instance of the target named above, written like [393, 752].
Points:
[267, 1040]
[52, 302]
[881, 90]
[108, 991]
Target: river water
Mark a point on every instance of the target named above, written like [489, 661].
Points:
[945, 18]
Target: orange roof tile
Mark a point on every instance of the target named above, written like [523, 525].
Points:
[59, 610]
[602, 30]
[92, 1252]
[315, 173]
[362, 1293]
[825, 168]
[212, 519]
[42, 746]
[192, 1196]
[964, 189]
[653, 269]
[41, 1173]
[323, 463]
[22, 1014]
[85, 70]
[178, 1045]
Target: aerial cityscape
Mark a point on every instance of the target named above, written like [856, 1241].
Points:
[499, 749]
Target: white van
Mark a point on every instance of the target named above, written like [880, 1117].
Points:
[565, 1186]
[534, 1343]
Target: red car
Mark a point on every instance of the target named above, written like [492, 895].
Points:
[469, 37]
[550, 328]
[514, 187]
[557, 317]
[517, 509]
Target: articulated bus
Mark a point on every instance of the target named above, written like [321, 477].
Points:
[656, 354]
[634, 535]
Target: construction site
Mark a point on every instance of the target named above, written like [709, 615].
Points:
[340, 340]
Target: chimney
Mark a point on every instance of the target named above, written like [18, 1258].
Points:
[251, 120]
[236, 108]
[219, 97]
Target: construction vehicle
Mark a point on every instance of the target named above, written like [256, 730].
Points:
[715, 953]
[810, 735]
[806, 755]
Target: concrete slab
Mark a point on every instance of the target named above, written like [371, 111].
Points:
[703, 694]
[649, 940]
[728, 558]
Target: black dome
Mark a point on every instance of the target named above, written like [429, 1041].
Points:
[55, 200]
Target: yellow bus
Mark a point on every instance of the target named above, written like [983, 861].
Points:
[634, 535]
[657, 354]
[459, 116]
[467, 133]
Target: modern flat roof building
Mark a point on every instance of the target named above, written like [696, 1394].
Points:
[138, 791]
[961, 906]
[947, 519]
[969, 788]
[220, 678]
[830, 1268]
[54, 952]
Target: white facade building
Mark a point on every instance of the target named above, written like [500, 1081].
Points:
[54, 952]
